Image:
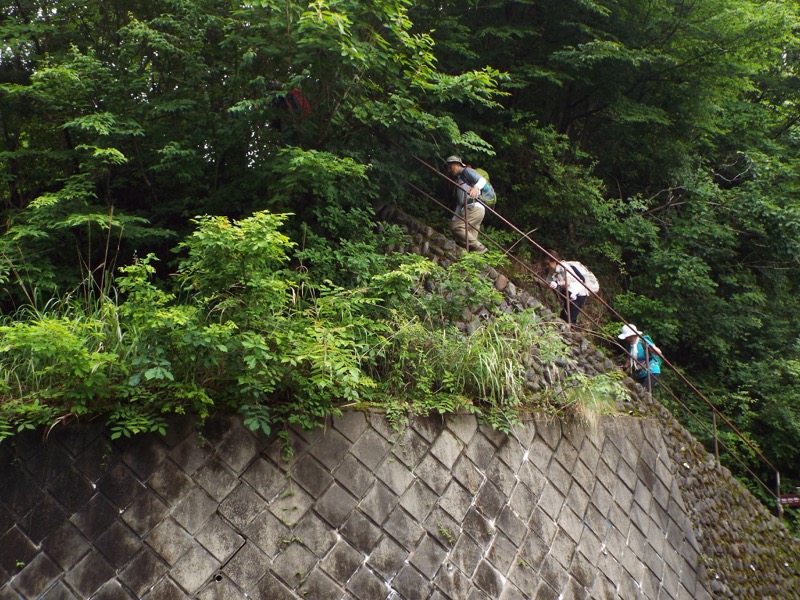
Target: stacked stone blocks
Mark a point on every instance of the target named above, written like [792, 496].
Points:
[443, 508]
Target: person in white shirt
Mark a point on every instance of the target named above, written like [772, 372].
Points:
[568, 285]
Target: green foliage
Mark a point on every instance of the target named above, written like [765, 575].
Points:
[656, 142]
[59, 358]
[241, 334]
[341, 181]
[343, 247]
[235, 265]
[589, 398]
[128, 421]
[164, 110]
[556, 184]
[256, 417]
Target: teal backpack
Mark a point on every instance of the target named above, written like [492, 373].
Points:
[488, 196]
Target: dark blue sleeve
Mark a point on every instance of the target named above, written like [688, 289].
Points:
[469, 176]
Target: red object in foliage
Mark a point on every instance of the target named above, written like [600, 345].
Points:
[296, 101]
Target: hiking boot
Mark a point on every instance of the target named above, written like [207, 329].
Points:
[479, 248]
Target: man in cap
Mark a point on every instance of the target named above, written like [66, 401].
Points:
[466, 223]
[644, 357]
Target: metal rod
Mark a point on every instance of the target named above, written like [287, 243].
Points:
[715, 411]
[616, 314]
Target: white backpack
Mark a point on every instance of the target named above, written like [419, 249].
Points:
[585, 275]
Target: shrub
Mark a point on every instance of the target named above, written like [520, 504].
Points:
[242, 333]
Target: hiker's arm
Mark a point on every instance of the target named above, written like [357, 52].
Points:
[546, 283]
[653, 348]
[557, 280]
[569, 279]
[476, 189]
[480, 182]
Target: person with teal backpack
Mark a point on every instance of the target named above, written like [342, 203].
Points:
[488, 196]
[473, 194]
[644, 357]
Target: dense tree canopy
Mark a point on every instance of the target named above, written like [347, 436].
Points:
[657, 141]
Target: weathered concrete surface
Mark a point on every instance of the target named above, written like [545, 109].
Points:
[441, 509]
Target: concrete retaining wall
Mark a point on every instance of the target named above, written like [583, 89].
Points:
[441, 509]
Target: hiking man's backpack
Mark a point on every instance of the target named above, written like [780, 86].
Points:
[488, 196]
[585, 275]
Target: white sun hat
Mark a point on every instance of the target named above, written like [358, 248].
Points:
[628, 330]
